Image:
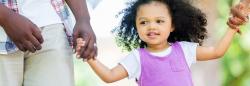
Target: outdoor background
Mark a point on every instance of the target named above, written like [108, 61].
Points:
[231, 70]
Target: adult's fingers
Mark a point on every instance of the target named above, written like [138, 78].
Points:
[37, 34]
[90, 48]
[93, 54]
[36, 38]
[236, 11]
[29, 46]
[37, 45]
[75, 36]
[20, 47]
[85, 48]
[86, 38]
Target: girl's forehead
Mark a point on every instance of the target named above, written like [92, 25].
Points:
[153, 9]
[152, 4]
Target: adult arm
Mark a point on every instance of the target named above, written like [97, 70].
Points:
[83, 28]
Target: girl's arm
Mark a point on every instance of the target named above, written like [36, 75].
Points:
[239, 12]
[207, 53]
[106, 74]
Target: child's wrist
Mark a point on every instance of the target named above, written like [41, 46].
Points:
[234, 30]
[90, 60]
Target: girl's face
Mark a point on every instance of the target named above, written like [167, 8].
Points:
[154, 23]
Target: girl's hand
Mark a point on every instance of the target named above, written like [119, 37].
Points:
[80, 44]
[234, 23]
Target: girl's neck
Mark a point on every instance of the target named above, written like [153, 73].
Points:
[157, 47]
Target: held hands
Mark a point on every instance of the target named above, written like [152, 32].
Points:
[25, 34]
[239, 16]
[80, 44]
[83, 31]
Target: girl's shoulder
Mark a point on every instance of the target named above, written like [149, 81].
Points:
[188, 44]
[135, 51]
[134, 54]
[189, 50]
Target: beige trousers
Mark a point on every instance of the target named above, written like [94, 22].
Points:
[50, 66]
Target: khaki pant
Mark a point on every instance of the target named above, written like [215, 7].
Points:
[50, 66]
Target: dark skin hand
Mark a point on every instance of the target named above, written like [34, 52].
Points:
[83, 29]
[25, 34]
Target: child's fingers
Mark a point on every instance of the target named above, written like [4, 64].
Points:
[78, 48]
[80, 44]
[232, 25]
[79, 39]
[236, 21]
[235, 27]
[233, 21]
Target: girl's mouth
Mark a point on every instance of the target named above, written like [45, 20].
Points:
[153, 34]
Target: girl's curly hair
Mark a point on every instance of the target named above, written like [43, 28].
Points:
[189, 24]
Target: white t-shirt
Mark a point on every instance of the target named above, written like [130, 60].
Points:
[40, 12]
[132, 61]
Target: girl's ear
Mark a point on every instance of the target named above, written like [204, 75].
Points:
[172, 29]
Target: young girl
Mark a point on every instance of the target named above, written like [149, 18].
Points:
[164, 37]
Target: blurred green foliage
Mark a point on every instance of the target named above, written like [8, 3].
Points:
[236, 62]
[84, 76]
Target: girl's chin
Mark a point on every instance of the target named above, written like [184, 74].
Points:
[153, 43]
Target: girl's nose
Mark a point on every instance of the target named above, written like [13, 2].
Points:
[152, 26]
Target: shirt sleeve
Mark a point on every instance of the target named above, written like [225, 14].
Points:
[131, 64]
[189, 49]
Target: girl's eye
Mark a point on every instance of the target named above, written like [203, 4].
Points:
[143, 22]
[160, 21]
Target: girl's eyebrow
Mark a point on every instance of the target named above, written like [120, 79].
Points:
[144, 18]
[161, 17]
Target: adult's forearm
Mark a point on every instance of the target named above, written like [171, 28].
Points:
[79, 9]
[4, 12]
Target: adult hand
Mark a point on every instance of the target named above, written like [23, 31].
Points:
[25, 34]
[239, 15]
[240, 11]
[84, 30]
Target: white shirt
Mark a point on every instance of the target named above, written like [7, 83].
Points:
[40, 12]
[132, 61]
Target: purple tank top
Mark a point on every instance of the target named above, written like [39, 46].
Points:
[170, 70]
